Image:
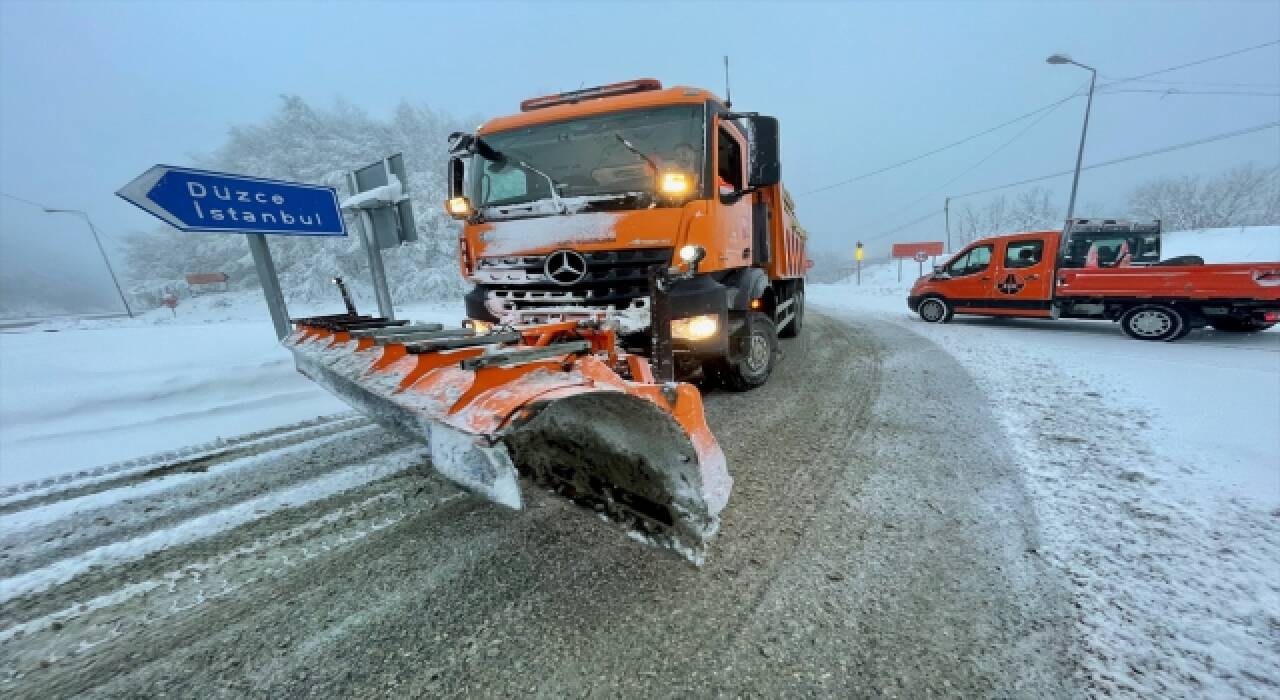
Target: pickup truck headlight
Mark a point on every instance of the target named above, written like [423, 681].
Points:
[695, 327]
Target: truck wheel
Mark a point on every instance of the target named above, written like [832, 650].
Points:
[758, 351]
[1153, 322]
[1239, 325]
[935, 310]
[792, 329]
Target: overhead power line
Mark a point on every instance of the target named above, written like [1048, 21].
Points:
[907, 225]
[940, 149]
[910, 205]
[1103, 164]
[1030, 114]
[1125, 159]
[1175, 92]
[1219, 57]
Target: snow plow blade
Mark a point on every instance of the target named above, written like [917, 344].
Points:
[555, 404]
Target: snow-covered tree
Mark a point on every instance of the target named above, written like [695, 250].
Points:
[1030, 211]
[302, 143]
[1247, 195]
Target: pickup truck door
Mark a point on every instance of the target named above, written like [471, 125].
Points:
[1021, 275]
[969, 278]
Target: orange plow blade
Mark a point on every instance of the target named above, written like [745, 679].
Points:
[555, 405]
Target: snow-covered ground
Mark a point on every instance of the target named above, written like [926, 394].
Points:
[1155, 469]
[76, 394]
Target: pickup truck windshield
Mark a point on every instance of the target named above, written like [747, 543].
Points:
[587, 157]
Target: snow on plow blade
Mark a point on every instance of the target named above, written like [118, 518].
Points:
[556, 404]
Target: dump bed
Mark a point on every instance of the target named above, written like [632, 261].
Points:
[786, 238]
[1235, 281]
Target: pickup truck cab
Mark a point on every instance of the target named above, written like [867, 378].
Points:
[1024, 275]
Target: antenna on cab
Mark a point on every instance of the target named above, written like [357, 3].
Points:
[728, 99]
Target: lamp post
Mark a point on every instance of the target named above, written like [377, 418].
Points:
[1059, 59]
[93, 229]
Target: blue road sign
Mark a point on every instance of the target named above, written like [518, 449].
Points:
[200, 200]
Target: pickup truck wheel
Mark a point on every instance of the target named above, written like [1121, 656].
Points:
[1239, 325]
[756, 355]
[1153, 322]
[935, 310]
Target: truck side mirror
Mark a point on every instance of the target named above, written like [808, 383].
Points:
[461, 143]
[766, 159]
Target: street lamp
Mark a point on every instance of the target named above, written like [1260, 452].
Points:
[1059, 59]
[101, 250]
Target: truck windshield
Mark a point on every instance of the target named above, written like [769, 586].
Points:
[586, 157]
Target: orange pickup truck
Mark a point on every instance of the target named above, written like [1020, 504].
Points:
[1108, 270]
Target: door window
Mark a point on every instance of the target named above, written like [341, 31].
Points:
[976, 260]
[1023, 254]
[729, 162]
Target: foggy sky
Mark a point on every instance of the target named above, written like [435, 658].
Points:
[93, 93]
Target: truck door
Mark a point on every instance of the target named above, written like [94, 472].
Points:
[735, 214]
[1021, 281]
[969, 278]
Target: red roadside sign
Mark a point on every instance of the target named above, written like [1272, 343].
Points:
[207, 278]
[911, 250]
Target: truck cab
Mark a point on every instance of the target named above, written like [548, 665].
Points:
[999, 276]
[570, 205]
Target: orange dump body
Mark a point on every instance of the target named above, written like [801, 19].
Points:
[554, 403]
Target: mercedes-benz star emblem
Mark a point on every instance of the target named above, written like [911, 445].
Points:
[565, 267]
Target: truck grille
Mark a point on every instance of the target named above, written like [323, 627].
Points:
[614, 278]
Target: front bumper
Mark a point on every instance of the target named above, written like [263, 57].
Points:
[913, 302]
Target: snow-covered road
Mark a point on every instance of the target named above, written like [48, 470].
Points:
[1155, 472]
[857, 556]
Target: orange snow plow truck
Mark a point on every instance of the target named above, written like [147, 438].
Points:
[1105, 269]
[620, 239]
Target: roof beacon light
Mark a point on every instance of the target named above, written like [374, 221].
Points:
[610, 90]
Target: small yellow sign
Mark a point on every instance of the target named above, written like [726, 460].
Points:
[857, 254]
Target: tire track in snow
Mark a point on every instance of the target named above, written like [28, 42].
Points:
[28, 492]
[209, 525]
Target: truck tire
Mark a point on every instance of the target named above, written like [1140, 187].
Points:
[758, 352]
[1239, 325]
[935, 310]
[1153, 322]
[792, 329]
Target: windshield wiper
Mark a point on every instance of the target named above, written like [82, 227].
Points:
[630, 147]
[488, 153]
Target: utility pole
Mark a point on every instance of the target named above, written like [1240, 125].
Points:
[94, 230]
[1059, 59]
[946, 210]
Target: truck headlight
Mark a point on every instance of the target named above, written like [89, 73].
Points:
[458, 207]
[692, 254]
[695, 327]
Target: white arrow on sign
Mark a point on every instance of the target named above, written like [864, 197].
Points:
[136, 194]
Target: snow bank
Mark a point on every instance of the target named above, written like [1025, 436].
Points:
[76, 394]
[1225, 245]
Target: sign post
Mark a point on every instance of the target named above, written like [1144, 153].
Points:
[201, 201]
[377, 270]
[384, 215]
[857, 256]
[270, 283]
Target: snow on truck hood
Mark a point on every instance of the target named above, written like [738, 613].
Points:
[519, 235]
